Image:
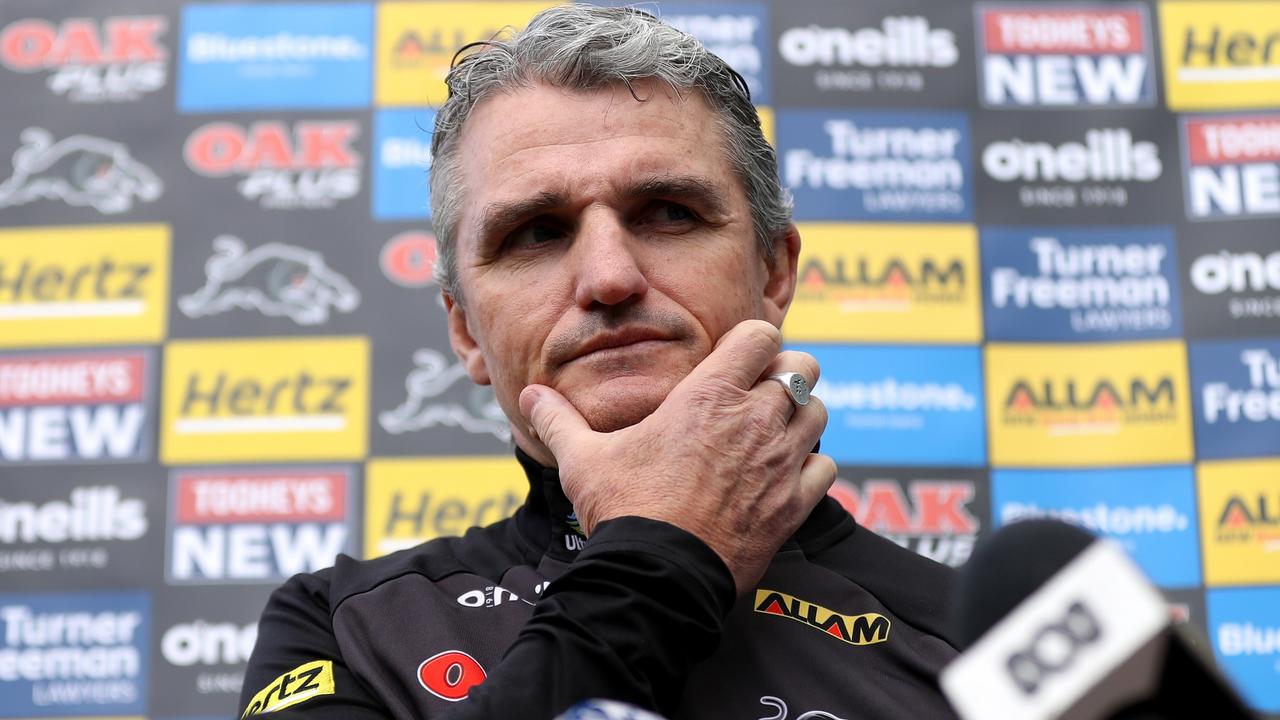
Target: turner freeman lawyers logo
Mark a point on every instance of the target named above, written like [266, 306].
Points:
[303, 165]
[865, 629]
[735, 33]
[113, 60]
[275, 279]
[1237, 397]
[81, 170]
[1232, 166]
[1070, 57]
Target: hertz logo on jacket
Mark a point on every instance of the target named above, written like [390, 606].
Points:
[865, 629]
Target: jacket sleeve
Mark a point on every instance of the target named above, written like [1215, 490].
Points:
[296, 669]
[641, 605]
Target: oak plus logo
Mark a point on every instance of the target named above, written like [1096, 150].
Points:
[1232, 166]
[275, 279]
[930, 517]
[75, 407]
[265, 400]
[1070, 57]
[872, 165]
[1097, 171]
[256, 525]
[75, 654]
[1221, 55]
[1080, 283]
[79, 170]
[1237, 399]
[302, 165]
[116, 59]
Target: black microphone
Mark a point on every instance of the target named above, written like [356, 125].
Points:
[1058, 625]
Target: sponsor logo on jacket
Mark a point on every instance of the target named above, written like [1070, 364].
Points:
[256, 525]
[1232, 166]
[115, 59]
[79, 170]
[308, 680]
[275, 279]
[1077, 57]
[864, 629]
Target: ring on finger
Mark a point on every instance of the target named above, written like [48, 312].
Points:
[796, 386]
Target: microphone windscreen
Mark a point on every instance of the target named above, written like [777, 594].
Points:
[1006, 568]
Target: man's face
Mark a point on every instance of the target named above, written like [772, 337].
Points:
[604, 245]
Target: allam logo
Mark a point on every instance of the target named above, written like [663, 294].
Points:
[115, 59]
[1240, 521]
[865, 629]
[1073, 283]
[247, 56]
[1232, 166]
[1237, 397]
[1067, 57]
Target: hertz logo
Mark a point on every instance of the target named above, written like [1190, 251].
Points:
[865, 629]
[1221, 55]
[298, 685]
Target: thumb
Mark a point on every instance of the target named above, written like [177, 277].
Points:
[553, 419]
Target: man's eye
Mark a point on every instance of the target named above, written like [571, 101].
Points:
[533, 235]
[669, 214]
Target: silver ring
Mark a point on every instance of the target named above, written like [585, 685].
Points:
[797, 387]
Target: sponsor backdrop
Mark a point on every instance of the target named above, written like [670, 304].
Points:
[1041, 271]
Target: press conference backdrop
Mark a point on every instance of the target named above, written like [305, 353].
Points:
[1041, 271]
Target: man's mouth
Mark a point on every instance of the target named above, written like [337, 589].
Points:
[626, 338]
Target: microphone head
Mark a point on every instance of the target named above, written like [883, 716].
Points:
[1006, 568]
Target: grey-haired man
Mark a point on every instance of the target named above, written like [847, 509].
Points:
[617, 257]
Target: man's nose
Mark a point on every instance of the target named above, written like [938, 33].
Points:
[609, 272]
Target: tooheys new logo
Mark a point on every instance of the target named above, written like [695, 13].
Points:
[112, 60]
[1082, 57]
[203, 644]
[933, 521]
[1232, 166]
[255, 525]
[843, 55]
[1082, 405]
[299, 165]
[70, 407]
[1048, 172]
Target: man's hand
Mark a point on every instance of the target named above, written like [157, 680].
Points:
[725, 457]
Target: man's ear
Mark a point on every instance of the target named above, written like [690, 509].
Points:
[463, 343]
[780, 287]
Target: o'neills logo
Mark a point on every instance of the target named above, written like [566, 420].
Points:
[1075, 406]
[897, 284]
[1068, 58]
[113, 60]
[303, 165]
[905, 41]
[90, 514]
[1240, 274]
[73, 406]
[256, 525]
[865, 629]
[1106, 155]
[1233, 166]
[1251, 519]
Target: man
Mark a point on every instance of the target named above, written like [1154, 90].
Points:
[616, 257]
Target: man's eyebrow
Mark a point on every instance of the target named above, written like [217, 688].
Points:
[687, 187]
[496, 216]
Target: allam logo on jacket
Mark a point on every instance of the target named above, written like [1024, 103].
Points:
[411, 500]
[87, 60]
[257, 525]
[307, 164]
[873, 165]
[269, 399]
[1232, 164]
[286, 55]
[1240, 521]
[79, 170]
[75, 654]
[931, 517]
[1080, 283]
[83, 285]
[416, 43]
[1220, 55]
[914, 283]
[275, 279]
[1120, 403]
[864, 629]
[82, 406]
[1065, 56]
[1237, 397]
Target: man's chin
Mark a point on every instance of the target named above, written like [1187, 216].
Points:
[617, 404]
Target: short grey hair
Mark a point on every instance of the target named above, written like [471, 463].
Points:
[582, 47]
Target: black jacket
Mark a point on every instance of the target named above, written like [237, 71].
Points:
[844, 624]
